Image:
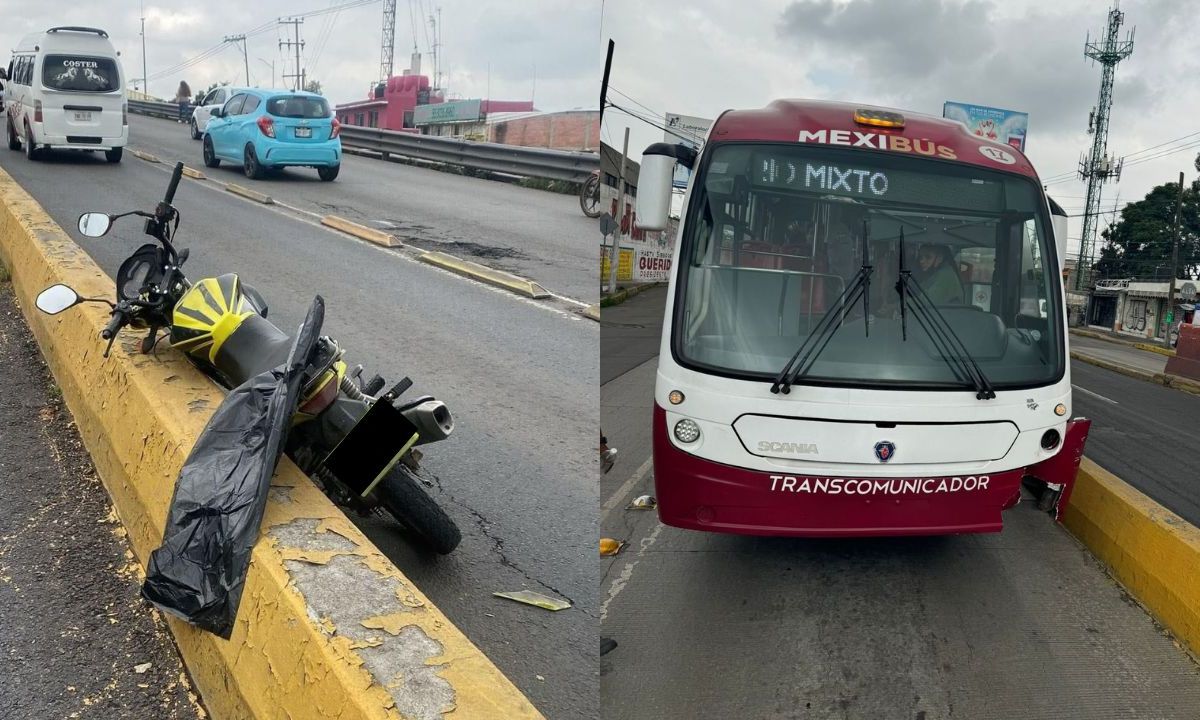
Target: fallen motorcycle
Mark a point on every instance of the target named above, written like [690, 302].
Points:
[286, 394]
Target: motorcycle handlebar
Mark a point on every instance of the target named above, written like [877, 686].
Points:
[175, 176]
[114, 324]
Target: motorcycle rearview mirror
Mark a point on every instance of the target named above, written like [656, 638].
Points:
[57, 298]
[94, 224]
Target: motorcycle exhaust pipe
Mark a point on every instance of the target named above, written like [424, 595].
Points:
[432, 419]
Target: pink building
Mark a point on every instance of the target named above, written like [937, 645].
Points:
[393, 106]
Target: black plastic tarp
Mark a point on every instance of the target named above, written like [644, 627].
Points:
[198, 572]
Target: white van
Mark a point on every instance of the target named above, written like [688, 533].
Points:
[66, 90]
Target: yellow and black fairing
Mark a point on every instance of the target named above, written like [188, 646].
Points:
[219, 322]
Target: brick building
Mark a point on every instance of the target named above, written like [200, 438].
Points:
[569, 130]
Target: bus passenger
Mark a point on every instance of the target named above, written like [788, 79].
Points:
[937, 277]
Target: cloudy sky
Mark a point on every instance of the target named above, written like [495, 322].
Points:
[704, 56]
[556, 39]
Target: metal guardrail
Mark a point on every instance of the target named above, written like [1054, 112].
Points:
[511, 159]
[157, 109]
[494, 157]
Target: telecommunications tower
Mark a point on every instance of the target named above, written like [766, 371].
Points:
[1097, 167]
[389, 39]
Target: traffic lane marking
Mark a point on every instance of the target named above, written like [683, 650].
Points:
[1094, 394]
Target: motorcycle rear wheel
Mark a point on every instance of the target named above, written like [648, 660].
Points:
[402, 495]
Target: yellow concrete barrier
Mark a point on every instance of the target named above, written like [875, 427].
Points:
[328, 626]
[144, 155]
[249, 194]
[1150, 550]
[193, 173]
[363, 232]
[483, 273]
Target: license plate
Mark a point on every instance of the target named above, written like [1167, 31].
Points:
[304, 132]
[83, 117]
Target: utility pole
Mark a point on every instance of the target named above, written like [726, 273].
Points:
[1174, 264]
[615, 254]
[299, 45]
[1097, 167]
[145, 82]
[245, 53]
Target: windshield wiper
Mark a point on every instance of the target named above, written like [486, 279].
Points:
[830, 322]
[946, 342]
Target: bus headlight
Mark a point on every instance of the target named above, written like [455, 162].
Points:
[687, 431]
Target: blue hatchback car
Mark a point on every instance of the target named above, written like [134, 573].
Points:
[266, 129]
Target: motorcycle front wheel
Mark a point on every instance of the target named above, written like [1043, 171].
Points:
[402, 495]
[589, 197]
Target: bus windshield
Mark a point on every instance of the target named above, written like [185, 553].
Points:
[775, 233]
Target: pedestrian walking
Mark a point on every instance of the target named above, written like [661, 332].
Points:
[183, 96]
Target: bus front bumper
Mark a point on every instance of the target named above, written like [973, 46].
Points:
[700, 494]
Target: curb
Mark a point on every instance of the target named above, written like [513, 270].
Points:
[195, 174]
[1171, 381]
[592, 312]
[1150, 550]
[482, 273]
[302, 646]
[1148, 347]
[144, 156]
[246, 192]
[1155, 349]
[360, 231]
[621, 296]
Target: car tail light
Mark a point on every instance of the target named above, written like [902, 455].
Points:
[37, 110]
[124, 113]
[267, 125]
[337, 129]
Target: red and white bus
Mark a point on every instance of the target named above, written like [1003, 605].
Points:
[865, 330]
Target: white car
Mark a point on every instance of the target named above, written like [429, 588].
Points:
[215, 98]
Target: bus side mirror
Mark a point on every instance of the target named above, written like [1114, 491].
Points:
[654, 182]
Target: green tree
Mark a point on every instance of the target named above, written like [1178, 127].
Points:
[1139, 244]
[313, 86]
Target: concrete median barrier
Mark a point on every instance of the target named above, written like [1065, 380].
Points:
[249, 194]
[1150, 550]
[142, 155]
[485, 274]
[328, 626]
[362, 232]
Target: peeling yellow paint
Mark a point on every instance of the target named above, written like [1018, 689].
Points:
[391, 624]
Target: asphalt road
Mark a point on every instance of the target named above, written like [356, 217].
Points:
[520, 376]
[1024, 623]
[1119, 353]
[536, 234]
[1143, 433]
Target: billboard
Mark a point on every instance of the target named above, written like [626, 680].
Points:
[686, 130]
[1004, 126]
[447, 112]
[638, 262]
